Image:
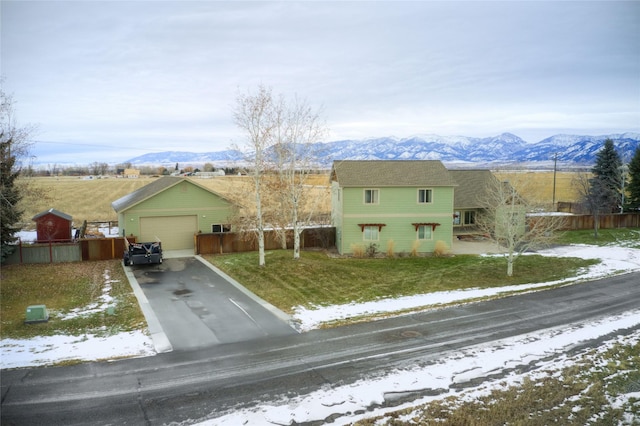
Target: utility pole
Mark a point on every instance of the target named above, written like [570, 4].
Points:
[555, 164]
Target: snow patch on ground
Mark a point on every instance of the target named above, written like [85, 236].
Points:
[50, 350]
[441, 376]
[614, 260]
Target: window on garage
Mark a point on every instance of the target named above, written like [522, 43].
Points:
[219, 228]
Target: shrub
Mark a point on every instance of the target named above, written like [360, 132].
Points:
[415, 245]
[441, 249]
[357, 250]
[372, 250]
[391, 245]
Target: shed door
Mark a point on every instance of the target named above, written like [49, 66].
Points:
[175, 232]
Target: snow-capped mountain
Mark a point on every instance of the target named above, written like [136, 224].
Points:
[502, 149]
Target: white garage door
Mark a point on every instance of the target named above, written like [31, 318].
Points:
[175, 232]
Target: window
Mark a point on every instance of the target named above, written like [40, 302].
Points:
[466, 217]
[425, 232]
[456, 218]
[469, 217]
[218, 228]
[371, 233]
[425, 196]
[371, 196]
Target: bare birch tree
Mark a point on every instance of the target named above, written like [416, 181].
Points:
[298, 158]
[253, 114]
[504, 219]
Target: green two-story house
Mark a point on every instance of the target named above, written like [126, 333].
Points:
[407, 205]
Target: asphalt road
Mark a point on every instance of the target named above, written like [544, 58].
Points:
[204, 383]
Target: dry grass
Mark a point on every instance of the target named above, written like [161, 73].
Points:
[63, 287]
[441, 249]
[539, 185]
[91, 199]
[576, 395]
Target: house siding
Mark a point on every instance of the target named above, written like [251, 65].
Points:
[184, 199]
[336, 212]
[398, 208]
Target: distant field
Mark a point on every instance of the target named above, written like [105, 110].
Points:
[91, 200]
[539, 185]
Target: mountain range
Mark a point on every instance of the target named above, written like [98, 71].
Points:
[461, 151]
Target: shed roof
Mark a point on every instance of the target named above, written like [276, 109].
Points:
[152, 189]
[472, 187]
[356, 173]
[53, 212]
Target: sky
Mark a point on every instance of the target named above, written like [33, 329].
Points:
[107, 81]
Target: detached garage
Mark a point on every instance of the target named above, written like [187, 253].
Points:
[172, 209]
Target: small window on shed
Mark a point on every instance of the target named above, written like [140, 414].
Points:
[218, 228]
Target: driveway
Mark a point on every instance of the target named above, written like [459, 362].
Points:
[197, 306]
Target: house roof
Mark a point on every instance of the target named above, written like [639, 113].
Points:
[472, 187]
[53, 212]
[356, 173]
[152, 189]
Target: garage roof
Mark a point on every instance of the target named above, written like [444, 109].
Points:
[152, 189]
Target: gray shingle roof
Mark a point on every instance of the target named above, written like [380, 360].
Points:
[356, 173]
[472, 187]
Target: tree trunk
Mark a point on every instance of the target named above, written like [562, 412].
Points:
[296, 231]
[261, 261]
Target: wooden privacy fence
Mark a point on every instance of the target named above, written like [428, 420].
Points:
[232, 242]
[607, 221]
[58, 252]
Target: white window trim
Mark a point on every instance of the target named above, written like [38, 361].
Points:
[364, 233]
[430, 233]
[364, 196]
[418, 195]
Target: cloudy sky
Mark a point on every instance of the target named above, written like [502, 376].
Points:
[110, 80]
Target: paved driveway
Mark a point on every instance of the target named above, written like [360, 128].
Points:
[198, 307]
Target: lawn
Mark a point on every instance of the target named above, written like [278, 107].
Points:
[77, 295]
[319, 280]
[623, 237]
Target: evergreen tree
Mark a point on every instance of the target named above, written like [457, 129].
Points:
[608, 177]
[13, 146]
[9, 196]
[633, 187]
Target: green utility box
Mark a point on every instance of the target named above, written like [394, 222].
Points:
[36, 313]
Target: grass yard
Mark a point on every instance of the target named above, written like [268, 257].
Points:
[623, 237]
[318, 280]
[65, 288]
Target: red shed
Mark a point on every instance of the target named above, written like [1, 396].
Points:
[52, 225]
